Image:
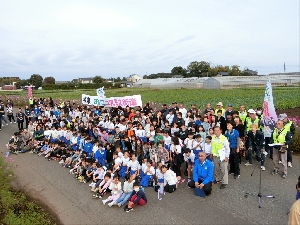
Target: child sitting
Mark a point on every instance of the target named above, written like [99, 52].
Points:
[103, 186]
[137, 197]
[127, 190]
[98, 176]
[116, 191]
[149, 173]
[134, 165]
[125, 161]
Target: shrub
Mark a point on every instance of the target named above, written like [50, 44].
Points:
[15, 208]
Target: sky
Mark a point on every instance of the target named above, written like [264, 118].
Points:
[71, 39]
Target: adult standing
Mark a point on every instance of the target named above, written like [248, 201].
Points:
[20, 119]
[182, 110]
[289, 126]
[233, 138]
[220, 143]
[220, 107]
[203, 174]
[281, 138]
[27, 114]
[2, 112]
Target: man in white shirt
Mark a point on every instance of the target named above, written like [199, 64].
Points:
[170, 179]
[220, 152]
[182, 110]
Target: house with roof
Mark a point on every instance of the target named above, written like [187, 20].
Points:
[223, 74]
[134, 78]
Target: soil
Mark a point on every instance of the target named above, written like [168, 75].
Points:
[290, 112]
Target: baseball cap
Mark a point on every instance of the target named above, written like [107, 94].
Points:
[220, 103]
[251, 111]
[230, 105]
[282, 116]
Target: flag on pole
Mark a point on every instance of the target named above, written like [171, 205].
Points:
[29, 91]
[270, 116]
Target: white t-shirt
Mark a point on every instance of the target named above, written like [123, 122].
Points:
[197, 145]
[178, 148]
[167, 140]
[170, 177]
[118, 161]
[95, 148]
[140, 133]
[206, 148]
[159, 174]
[191, 157]
[134, 165]
[183, 112]
[125, 161]
[189, 143]
[152, 170]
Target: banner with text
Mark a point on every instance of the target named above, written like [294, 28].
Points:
[270, 116]
[131, 101]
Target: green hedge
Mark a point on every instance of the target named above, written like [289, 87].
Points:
[72, 86]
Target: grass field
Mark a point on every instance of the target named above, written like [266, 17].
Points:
[284, 98]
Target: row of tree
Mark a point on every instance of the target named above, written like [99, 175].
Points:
[202, 69]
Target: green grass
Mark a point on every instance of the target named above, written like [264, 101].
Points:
[15, 208]
[252, 97]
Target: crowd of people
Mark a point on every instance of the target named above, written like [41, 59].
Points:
[104, 146]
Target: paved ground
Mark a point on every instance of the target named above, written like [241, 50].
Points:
[72, 201]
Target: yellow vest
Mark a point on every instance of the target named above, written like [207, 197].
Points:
[217, 144]
[249, 123]
[30, 101]
[243, 116]
[223, 111]
[279, 137]
[288, 125]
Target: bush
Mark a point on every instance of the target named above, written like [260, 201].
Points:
[296, 142]
[15, 208]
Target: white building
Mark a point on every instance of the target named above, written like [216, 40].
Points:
[134, 78]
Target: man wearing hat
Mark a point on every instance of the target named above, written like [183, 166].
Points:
[281, 138]
[252, 119]
[288, 125]
[220, 107]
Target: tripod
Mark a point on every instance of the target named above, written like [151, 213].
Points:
[259, 195]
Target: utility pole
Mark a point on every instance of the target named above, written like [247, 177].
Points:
[284, 68]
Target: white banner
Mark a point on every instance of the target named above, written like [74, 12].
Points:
[131, 101]
[270, 116]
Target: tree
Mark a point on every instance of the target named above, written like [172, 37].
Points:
[178, 70]
[98, 80]
[197, 69]
[22, 83]
[36, 80]
[49, 80]
[235, 70]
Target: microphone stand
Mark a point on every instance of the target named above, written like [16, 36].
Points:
[259, 195]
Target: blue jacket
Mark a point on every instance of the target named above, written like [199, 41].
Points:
[203, 171]
[100, 156]
[88, 148]
[232, 137]
[139, 195]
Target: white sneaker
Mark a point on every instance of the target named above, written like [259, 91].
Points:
[104, 202]
[111, 204]
[119, 204]
[10, 122]
[290, 164]
[91, 184]
[263, 168]
[7, 124]
[280, 162]
[248, 164]
[14, 122]
[61, 161]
